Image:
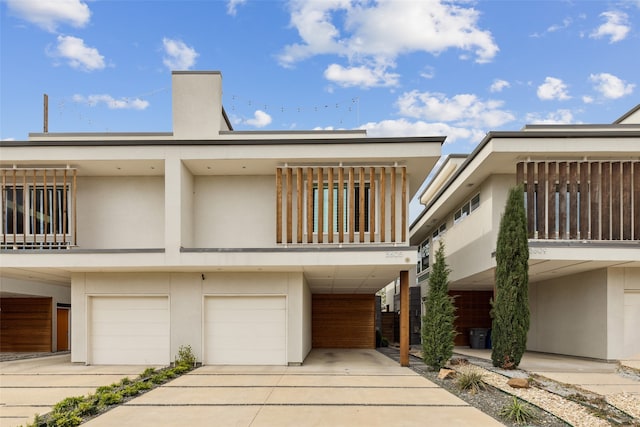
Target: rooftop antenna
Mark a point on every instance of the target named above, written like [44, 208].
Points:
[46, 113]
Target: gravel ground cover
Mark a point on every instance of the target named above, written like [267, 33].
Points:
[553, 404]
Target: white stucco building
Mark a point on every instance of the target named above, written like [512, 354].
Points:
[251, 247]
[582, 185]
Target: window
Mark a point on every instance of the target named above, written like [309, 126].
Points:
[466, 209]
[423, 255]
[439, 231]
[42, 212]
[346, 213]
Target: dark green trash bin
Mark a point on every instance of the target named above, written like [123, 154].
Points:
[478, 337]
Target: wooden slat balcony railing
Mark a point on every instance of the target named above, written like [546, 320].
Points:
[38, 208]
[588, 200]
[341, 204]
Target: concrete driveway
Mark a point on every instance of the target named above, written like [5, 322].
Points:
[332, 388]
[33, 386]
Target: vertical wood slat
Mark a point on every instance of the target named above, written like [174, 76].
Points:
[552, 177]
[341, 205]
[330, 201]
[279, 205]
[361, 207]
[15, 207]
[615, 201]
[372, 203]
[45, 215]
[584, 200]
[309, 205]
[605, 179]
[626, 201]
[299, 205]
[520, 173]
[393, 204]
[65, 212]
[403, 175]
[34, 218]
[55, 208]
[540, 198]
[573, 200]
[289, 205]
[383, 204]
[320, 174]
[351, 203]
[25, 196]
[594, 195]
[4, 207]
[531, 212]
[562, 200]
[75, 207]
[636, 201]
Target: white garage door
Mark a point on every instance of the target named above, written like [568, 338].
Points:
[245, 330]
[129, 330]
[631, 322]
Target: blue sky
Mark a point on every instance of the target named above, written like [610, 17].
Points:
[393, 67]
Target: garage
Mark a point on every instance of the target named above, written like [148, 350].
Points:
[245, 330]
[129, 330]
[343, 321]
[25, 324]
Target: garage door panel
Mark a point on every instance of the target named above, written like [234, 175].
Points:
[245, 330]
[130, 330]
[343, 321]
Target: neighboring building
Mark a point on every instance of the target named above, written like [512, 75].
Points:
[251, 247]
[582, 186]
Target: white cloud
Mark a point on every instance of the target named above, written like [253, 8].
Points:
[48, 14]
[260, 119]
[498, 85]
[462, 109]
[428, 72]
[111, 102]
[553, 88]
[378, 32]
[361, 76]
[555, 117]
[611, 86]
[232, 6]
[178, 56]
[404, 127]
[77, 54]
[587, 99]
[616, 26]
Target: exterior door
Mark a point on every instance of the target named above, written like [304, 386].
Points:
[62, 329]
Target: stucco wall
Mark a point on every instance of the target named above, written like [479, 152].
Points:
[120, 212]
[186, 293]
[234, 211]
[569, 315]
[623, 303]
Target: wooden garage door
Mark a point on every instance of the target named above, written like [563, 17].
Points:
[25, 324]
[245, 330]
[343, 321]
[129, 330]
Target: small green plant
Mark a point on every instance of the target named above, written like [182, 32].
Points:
[147, 373]
[517, 412]
[109, 398]
[185, 357]
[471, 380]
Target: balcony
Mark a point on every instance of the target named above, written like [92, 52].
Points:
[596, 200]
[341, 205]
[38, 208]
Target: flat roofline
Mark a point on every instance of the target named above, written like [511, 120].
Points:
[522, 135]
[214, 142]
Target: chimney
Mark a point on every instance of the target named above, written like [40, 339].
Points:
[197, 104]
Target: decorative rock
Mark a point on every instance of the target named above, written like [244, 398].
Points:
[446, 373]
[458, 361]
[518, 383]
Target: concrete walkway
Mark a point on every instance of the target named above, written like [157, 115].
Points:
[332, 388]
[33, 385]
[592, 375]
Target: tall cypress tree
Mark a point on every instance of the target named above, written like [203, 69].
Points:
[438, 331]
[510, 312]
